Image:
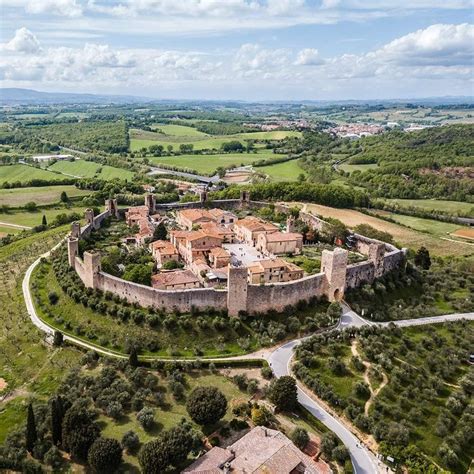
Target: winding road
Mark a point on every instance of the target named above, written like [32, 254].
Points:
[363, 460]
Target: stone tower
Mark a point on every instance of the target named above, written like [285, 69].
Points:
[334, 265]
[290, 224]
[89, 215]
[92, 269]
[76, 230]
[376, 254]
[72, 250]
[244, 198]
[202, 196]
[150, 202]
[111, 206]
[237, 290]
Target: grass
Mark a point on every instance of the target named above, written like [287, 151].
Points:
[31, 219]
[287, 171]
[179, 130]
[209, 163]
[450, 207]
[30, 367]
[44, 195]
[141, 138]
[351, 168]
[25, 173]
[404, 236]
[4, 230]
[90, 169]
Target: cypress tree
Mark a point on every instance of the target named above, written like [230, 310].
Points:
[31, 434]
[133, 357]
[44, 221]
[57, 415]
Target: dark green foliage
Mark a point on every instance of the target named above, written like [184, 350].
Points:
[422, 258]
[53, 297]
[31, 434]
[79, 431]
[369, 231]
[206, 405]
[57, 415]
[105, 455]
[64, 197]
[282, 393]
[133, 357]
[44, 221]
[232, 147]
[160, 232]
[58, 339]
[130, 441]
[154, 457]
[300, 437]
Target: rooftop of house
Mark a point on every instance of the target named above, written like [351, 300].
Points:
[145, 228]
[283, 237]
[179, 277]
[164, 247]
[254, 224]
[200, 234]
[195, 214]
[268, 264]
[220, 252]
[217, 229]
[218, 213]
[143, 210]
[260, 451]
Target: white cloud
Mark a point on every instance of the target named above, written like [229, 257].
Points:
[309, 57]
[67, 8]
[24, 41]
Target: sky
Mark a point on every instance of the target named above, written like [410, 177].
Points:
[240, 49]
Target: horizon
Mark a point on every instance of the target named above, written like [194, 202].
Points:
[250, 50]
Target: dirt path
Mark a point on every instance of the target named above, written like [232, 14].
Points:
[368, 365]
[15, 226]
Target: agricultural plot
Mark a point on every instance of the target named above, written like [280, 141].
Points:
[287, 171]
[451, 207]
[143, 139]
[90, 169]
[209, 163]
[31, 219]
[351, 168]
[44, 195]
[25, 173]
[407, 237]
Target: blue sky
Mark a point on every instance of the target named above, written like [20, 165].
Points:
[240, 49]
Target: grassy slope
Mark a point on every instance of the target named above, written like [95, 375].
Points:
[453, 207]
[30, 219]
[28, 366]
[89, 169]
[287, 171]
[351, 168]
[403, 235]
[208, 163]
[17, 197]
[25, 173]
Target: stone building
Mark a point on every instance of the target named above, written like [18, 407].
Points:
[163, 251]
[197, 244]
[273, 271]
[249, 228]
[176, 280]
[188, 218]
[219, 257]
[223, 217]
[134, 214]
[280, 243]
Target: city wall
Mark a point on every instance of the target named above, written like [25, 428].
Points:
[240, 296]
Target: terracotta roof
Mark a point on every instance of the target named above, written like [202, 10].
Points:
[211, 462]
[199, 234]
[220, 252]
[262, 265]
[217, 213]
[164, 247]
[214, 228]
[179, 277]
[253, 224]
[138, 210]
[195, 214]
[283, 237]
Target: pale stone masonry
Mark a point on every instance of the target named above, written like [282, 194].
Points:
[240, 295]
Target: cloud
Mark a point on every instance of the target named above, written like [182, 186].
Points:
[67, 8]
[309, 57]
[24, 41]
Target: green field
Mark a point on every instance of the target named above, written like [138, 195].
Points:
[31, 219]
[5, 230]
[90, 169]
[287, 171]
[25, 173]
[140, 138]
[18, 197]
[451, 207]
[209, 163]
[351, 168]
[179, 131]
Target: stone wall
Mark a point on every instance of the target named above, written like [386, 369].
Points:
[359, 274]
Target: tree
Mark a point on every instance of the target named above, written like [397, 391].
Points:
[105, 455]
[58, 339]
[328, 442]
[300, 437]
[53, 458]
[30, 206]
[131, 441]
[160, 232]
[206, 405]
[334, 311]
[57, 416]
[133, 357]
[261, 416]
[154, 457]
[179, 441]
[282, 393]
[79, 431]
[138, 273]
[44, 222]
[64, 197]
[340, 454]
[422, 258]
[31, 433]
[146, 417]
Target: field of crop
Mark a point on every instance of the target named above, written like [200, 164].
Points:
[90, 169]
[351, 168]
[451, 207]
[25, 173]
[5, 230]
[18, 197]
[178, 130]
[208, 163]
[403, 236]
[31, 219]
[287, 171]
[140, 138]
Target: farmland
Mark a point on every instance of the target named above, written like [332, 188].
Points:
[450, 207]
[407, 237]
[31, 219]
[209, 163]
[89, 169]
[351, 168]
[17, 197]
[287, 171]
[25, 173]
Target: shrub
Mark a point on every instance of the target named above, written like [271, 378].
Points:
[282, 393]
[300, 437]
[267, 373]
[206, 405]
[105, 455]
[146, 418]
[131, 441]
[53, 297]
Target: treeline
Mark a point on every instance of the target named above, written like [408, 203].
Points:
[37, 183]
[331, 195]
